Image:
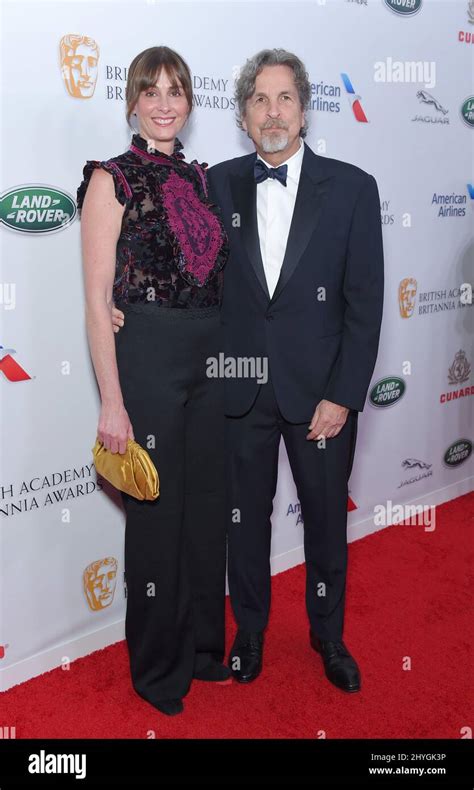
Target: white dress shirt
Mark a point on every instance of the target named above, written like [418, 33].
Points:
[275, 205]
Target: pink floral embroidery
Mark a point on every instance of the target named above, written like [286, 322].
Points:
[196, 228]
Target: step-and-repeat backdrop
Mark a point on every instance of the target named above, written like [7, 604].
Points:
[392, 92]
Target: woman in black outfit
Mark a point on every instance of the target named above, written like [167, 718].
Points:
[155, 246]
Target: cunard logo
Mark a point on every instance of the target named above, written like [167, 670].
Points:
[460, 370]
[467, 36]
[458, 373]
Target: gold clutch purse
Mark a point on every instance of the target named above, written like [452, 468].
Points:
[133, 471]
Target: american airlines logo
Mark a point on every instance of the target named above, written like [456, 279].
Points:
[10, 368]
[354, 100]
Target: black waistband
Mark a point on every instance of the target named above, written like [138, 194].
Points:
[168, 313]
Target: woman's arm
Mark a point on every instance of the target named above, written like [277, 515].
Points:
[101, 220]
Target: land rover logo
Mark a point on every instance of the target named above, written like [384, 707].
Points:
[467, 111]
[387, 391]
[405, 7]
[458, 452]
[36, 209]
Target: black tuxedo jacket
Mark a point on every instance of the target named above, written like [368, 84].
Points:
[320, 330]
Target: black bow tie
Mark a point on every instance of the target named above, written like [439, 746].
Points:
[261, 172]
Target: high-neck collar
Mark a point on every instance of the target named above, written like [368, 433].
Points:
[140, 142]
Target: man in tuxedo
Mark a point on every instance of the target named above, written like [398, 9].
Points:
[303, 289]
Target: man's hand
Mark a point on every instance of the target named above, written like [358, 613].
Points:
[328, 419]
[117, 318]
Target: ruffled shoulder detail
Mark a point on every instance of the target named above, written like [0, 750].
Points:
[123, 192]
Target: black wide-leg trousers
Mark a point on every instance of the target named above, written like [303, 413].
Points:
[321, 478]
[175, 546]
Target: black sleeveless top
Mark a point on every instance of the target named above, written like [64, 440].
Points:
[172, 246]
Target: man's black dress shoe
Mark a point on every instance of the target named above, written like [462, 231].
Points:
[214, 672]
[340, 668]
[245, 657]
[170, 706]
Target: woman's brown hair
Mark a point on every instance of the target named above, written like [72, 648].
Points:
[145, 69]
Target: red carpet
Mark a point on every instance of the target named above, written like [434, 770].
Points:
[408, 595]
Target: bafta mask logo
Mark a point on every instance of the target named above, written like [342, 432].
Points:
[99, 583]
[406, 296]
[79, 64]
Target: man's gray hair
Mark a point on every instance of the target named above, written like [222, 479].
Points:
[245, 84]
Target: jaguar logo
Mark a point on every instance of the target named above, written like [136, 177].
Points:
[427, 98]
[413, 463]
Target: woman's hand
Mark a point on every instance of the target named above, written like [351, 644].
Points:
[114, 427]
[118, 318]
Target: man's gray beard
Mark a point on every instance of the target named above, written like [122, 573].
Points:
[273, 143]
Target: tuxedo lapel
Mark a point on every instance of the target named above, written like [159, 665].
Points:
[313, 187]
[244, 199]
